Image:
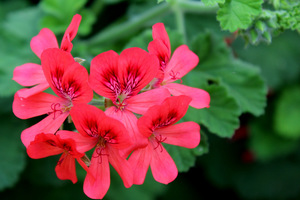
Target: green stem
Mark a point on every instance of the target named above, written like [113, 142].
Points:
[180, 21]
[196, 7]
[118, 31]
[97, 102]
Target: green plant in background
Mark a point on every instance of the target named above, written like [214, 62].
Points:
[260, 162]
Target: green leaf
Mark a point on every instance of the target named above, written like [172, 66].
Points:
[287, 113]
[10, 6]
[238, 14]
[242, 81]
[58, 9]
[58, 18]
[15, 35]
[212, 2]
[277, 67]
[15, 53]
[222, 117]
[12, 151]
[185, 158]
[23, 23]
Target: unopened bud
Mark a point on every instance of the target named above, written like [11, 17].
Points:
[86, 160]
[254, 36]
[266, 35]
[79, 60]
[259, 25]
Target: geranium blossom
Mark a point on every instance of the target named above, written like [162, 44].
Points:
[108, 136]
[174, 68]
[45, 145]
[120, 78]
[68, 79]
[31, 74]
[158, 125]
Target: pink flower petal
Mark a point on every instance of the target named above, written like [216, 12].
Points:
[36, 105]
[166, 114]
[129, 120]
[140, 161]
[33, 90]
[142, 102]
[186, 134]
[92, 122]
[65, 168]
[86, 117]
[104, 75]
[67, 78]
[83, 144]
[162, 165]
[121, 165]
[137, 68]
[96, 186]
[159, 32]
[200, 98]
[183, 60]
[29, 74]
[43, 145]
[50, 124]
[161, 51]
[44, 40]
[70, 33]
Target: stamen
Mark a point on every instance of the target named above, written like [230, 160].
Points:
[119, 104]
[56, 108]
[86, 160]
[175, 76]
[99, 152]
[159, 140]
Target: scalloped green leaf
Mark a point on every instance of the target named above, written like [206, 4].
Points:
[287, 113]
[238, 14]
[242, 80]
[222, 117]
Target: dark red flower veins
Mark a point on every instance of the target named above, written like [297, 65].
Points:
[69, 89]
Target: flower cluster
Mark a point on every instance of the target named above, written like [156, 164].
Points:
[142, 105]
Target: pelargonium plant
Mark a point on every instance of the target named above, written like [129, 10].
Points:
[143, 97]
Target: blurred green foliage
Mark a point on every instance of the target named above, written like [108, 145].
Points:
[253, 85]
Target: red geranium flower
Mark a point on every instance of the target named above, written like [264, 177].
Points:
[158, 125]
[31, 74]
[174, 68]
[108, 136]
[120, 78]
[45, 145]
[68, 79]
